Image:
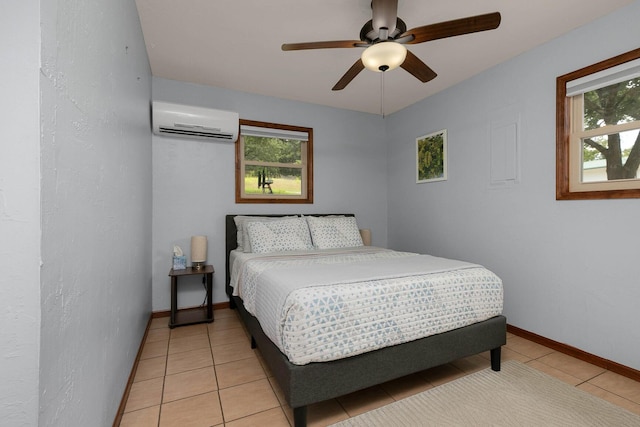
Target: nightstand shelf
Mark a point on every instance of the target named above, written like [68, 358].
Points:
[193, 315]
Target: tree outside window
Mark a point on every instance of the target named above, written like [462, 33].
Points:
[605, 108]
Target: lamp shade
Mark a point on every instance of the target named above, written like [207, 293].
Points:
[198, 249]
[384, 56]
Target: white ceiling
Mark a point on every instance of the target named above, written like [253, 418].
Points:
[235, 44]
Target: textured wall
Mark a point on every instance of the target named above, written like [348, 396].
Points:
[96, 207]
[19, 212]
[569, 267]
[194, 187]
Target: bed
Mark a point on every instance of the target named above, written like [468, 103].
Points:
[312, 375]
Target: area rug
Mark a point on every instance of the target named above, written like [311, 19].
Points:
[516, 396]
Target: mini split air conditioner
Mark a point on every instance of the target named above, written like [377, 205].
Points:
[186, 121]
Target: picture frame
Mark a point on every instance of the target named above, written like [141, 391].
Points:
[431, 157]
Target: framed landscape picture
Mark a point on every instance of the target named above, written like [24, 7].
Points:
[431, 157]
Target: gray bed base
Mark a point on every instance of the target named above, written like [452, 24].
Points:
[303, 385]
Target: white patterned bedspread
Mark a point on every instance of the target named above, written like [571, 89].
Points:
[325, 305]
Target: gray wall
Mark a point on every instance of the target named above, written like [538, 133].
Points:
[569, 267]
[19, 212]
[96, 207]
[193, 181]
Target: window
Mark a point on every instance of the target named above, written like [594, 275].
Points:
[274, 163]
[598, 130]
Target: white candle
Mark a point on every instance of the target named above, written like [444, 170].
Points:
[198, 249]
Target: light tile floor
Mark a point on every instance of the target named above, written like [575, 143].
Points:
[207, 375]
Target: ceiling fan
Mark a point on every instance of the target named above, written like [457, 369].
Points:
[385, 35]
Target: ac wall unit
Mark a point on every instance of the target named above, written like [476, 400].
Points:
[186, 121]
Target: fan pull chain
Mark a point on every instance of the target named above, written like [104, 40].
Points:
[382, 94]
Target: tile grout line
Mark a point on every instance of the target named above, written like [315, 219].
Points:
[215, 373]
[581, 381]
[164, 377]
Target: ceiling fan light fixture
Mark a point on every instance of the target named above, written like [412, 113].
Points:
[384, 56]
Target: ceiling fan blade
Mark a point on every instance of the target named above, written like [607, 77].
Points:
[324, 45]
[385, 15]
[457, 27]
[349, 75]
[417, 68]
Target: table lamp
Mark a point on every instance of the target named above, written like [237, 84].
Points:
[198, 252]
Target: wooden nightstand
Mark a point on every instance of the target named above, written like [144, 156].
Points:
[195, 315]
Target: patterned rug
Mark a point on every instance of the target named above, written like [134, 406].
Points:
[516, 396]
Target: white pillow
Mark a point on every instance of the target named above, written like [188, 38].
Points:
[278, 236]
[334, 232]
[243, 243]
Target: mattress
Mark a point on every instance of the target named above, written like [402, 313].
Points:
[324, 305]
